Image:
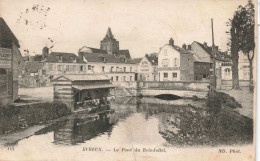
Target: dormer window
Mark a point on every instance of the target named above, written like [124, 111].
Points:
[124, 60]
[74, 59]
[59, 57]
[103, 59]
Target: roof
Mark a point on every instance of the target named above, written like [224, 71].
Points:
[66, 57]
[136, 60]
[208, 49]
[109, 58]
[124, 53]
[94, 50]
[179, 49]
[6, 33]
[152, 59]
[94, 85]
[109, 35]
[33, 66]
[82, 77]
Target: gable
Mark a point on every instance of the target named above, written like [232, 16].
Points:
[85, 49]
[60, 78]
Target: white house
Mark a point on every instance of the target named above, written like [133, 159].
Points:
[175, 63]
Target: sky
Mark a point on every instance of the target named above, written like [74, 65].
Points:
[142, 26]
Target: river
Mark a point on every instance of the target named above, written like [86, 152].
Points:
[138, 121]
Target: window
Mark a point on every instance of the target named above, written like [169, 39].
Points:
[112, 78]
[81, 68]
[51, 67]
[59, 58]
[175, 62]
[3, 71]
[74, 68]
[60, 67]
[103, 59]
[165, 75]
[112, 68]
[124, 78]
[92, 67]
[204, 76]
[130, 69]
[130, 78]
[165, 62]
[103, 69]
[117, 69]
[67, 68]
[124, 69]
[43, 72]
[116, 78]
[89, 67]
[174, 75]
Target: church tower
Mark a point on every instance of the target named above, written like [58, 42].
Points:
[109, 43]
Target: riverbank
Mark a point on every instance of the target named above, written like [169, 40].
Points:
[16, 117]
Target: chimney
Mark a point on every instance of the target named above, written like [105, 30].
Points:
[205, 44]
[189, 47]
[184, 46]
[171, 42]
[45, 52]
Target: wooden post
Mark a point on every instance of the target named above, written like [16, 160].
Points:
[213, 54]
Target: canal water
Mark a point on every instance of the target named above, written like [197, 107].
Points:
[140, 121]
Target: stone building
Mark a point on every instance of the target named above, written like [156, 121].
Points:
[10, 59]
[146, 67]
[111, 46]
[175, 63]
[109, 60]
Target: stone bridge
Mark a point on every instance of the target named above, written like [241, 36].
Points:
[154, 88]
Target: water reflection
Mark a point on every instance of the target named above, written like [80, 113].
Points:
[154, 121]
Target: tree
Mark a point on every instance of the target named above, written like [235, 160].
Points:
[242, 25]
[249, 38]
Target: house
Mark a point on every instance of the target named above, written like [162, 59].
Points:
[108, 60]
[175, 63]
[203, 65]
[32, 76]
[146, 68]
[10, 59]
[118, 69]
[74, 89]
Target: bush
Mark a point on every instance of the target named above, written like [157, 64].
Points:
[15, 117]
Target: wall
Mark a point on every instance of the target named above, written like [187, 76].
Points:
[16, 59]
[6, 76]
[201, 70]
[63, 93]
[186, 67]
[166, 63]
[146, 71]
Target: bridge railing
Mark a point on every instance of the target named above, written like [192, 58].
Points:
[170, 85]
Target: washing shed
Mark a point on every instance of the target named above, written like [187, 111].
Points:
[75, 90]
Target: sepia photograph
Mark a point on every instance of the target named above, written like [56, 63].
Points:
[121, 80]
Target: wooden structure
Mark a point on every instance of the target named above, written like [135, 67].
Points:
[78, 91]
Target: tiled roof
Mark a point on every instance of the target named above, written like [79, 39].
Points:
[6, 33]
[208, 49]
[124, 53]
[83, 77]
[33, 66]
[152, 59]
[136, 60]
[66, 57]
[108, 58]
